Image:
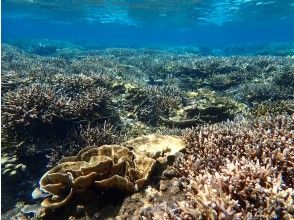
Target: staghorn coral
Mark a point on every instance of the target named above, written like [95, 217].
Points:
[98, 135]
[222, 82]
[268, 140]
[85, 135]
[154, 101]
[10, 80]
[240, 189]
[260, 91]
[272, 108]
[27, 107]
[77, 83]
[86, 106]
[234, 170]
[285, 77]
[77, 74]
[240, 169]
[39, 106]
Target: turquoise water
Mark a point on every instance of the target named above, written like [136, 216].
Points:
[150, 23]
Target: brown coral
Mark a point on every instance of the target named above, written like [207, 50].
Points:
[109, 166]
[126, 167]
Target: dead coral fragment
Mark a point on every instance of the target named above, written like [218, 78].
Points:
[109, 166]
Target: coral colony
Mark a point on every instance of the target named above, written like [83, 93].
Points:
[99, 135]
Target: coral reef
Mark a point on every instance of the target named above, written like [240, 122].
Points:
[127, 167]
[273, 108]
[33, 107]
[150, 103]
[109, 166]
[204, 106]
[58, 104]
[267, 140]
[98, 135]
[240, 169]
[156, 145]
[85, 135]
[27, 107]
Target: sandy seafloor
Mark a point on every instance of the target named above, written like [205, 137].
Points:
[233, 114]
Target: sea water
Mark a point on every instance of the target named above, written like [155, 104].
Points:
[167, 23]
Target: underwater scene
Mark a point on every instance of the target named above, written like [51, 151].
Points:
[148, 110]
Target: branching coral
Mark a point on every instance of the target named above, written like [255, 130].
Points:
[153, 102]
[240, 169]
[242, 188]
[268, 140]
[64, 101]
[98, 135]
[261, 91]
[234, 170]
[86, 106]
[274, 108]
[77, 83]
[28, 107]
[33, 107]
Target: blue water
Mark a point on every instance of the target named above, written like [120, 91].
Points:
[140, 23]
